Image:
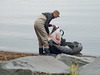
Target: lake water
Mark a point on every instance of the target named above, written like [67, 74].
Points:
[80, 19]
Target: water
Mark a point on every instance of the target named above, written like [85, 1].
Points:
[79, 19]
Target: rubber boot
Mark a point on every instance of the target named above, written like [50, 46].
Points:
[41, 51]
[47, 51]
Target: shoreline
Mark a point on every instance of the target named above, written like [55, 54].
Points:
[6, 55]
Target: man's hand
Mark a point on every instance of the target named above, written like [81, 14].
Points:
[53, 25]
[49, 35]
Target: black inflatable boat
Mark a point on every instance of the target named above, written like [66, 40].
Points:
[71, 48]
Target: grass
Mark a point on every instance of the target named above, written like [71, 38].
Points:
[73, 68]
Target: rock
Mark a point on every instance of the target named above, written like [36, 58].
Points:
[15, 72]
[91, 69]
[27, 65]
[69, 59]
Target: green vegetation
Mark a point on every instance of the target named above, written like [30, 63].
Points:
[73, 68]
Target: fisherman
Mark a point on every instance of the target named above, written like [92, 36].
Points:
[42, 31]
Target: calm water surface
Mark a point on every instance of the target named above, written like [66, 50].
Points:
[80, 19]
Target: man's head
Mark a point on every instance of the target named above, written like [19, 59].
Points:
[56, 13]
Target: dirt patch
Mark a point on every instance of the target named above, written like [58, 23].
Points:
[6, 56]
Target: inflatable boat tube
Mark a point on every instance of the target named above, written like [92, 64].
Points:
[71, 48]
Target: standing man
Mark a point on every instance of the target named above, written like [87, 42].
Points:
[42, 31]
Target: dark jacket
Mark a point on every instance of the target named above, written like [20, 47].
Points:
[49, 17]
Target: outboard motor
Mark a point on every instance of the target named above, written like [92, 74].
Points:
[56, 35]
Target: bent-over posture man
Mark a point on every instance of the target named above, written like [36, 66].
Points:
[42, 31]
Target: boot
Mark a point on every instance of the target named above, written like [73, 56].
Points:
[41, 51]
[47, 51]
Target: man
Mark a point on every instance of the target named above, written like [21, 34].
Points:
[42, 31]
